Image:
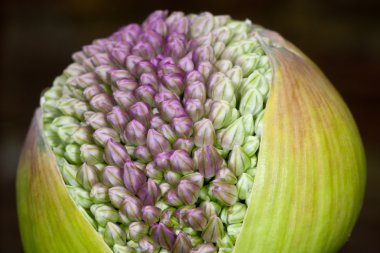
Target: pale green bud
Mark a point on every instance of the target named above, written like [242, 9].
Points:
[252, 102]
[235, 74]
[137, 230]
[87, 176]
[224, 65]
[73, 154]
[80, 196]
[258, 81]
[91, 154]
[236, 213]
[233, 230]
[69, 173]
[82, 136]
[214, 230]
[104, 213]
[239, 160]
[234, 134]
[225, 242]
[113, 234]
[247, 62]
[251, 145]
[259, 124]
[99, 194]
[244, 186]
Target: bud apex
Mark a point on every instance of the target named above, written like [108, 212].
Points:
[150, 214]
[113, 234]
[214, 230]
[149, 193]
[163, 235]
[226, 175]
[188, 191]
[196, 219]
[115, 153]
[133, 177]
[238, 161]
[141, 112]
[135, 133]
[156, 142]
[180, 161]
[204, 133]
[225, 193]
[112, 176]
[182, 244]
[137, 230]
[244, 186]
[162, 160]
[87, 176]
[184, 144]
[207, 161]
[118, 119]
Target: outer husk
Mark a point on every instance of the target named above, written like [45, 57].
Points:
[48, 218]
[310, 180]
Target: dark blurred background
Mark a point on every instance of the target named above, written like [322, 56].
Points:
[38, 37]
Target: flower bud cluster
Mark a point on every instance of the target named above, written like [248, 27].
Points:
[156, 130]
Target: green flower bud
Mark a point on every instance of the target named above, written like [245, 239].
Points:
[214, 230]
[238, 161]
[73, 153]
[104, 213]
[113, 234]
[251, 145]
[244, 186]
[99, 194]
[234, 134]
[80, 196]
[91, 154]
[236, 213]
[69, 172]
[204, 133]
[251, 102]
[87, 176]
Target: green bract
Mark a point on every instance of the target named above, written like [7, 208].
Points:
[190, 133]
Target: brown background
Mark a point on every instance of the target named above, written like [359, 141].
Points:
[38, 37]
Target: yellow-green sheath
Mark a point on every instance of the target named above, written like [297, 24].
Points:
[49, 219]
[310, 179]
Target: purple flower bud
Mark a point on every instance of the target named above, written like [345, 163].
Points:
[180, 26]
[142, 154]
[96, 119]
[210, 208]
[112, 176]
[196, 219]
[132, 61]
[156, 142]
[102, 102]
[214, 230]
[149, 193]
[131, 207]
[130, 33]
[171, 109]
[91, 91]
[102, 135]
[118, 119]
[204, 53]
[156, 122]
[102, 72]
[144, 50]
[141, 112]
[126, 84]
[124, 99]
[206, 69]
[188, 191]
[151, 214]
[174, 83]
[186, 64]
[163, 235]
[194, 76]
[172, 199]
[195, 177]
[175, 46]
[183, 126]
[154, 39]
[135, 133]
[207, 160]
[118, 55]
[164, 95]
[195, 90]
[117, 194]
[225, 193]
[162, 160]
[133, 177]
[119, 74]
[115, 153]
[87, 176]
[100, 59]
[152, 172]
[168, 67]
[168, 132]
[184, 144]
[158, 26]
[145, 67]
[204, 133]
[149, 79]
[146, 94]
[174, 17]
[180, 161]
[172, 177]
